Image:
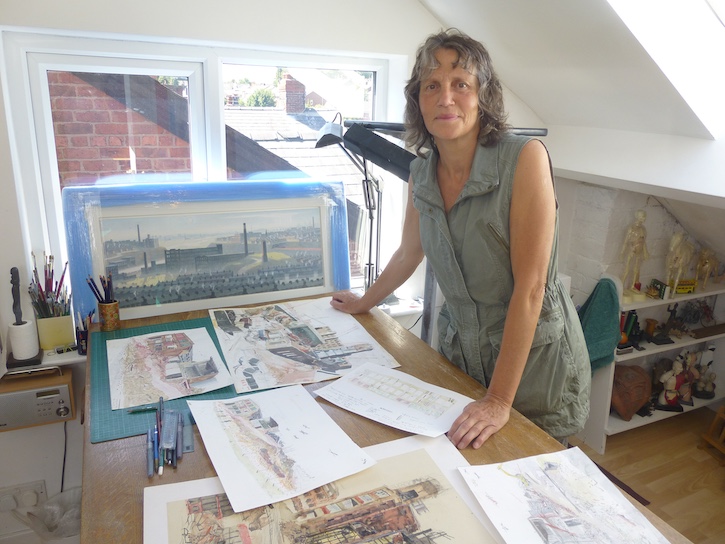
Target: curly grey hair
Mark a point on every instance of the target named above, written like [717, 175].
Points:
[473, 57]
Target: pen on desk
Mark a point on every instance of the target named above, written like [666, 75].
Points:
[158, 440]
[180, 437]
[149, 453]
[141, 409]
[156, 448]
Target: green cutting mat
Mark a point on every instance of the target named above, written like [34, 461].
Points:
[107, 424]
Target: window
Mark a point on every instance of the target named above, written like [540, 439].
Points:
[273, 116]
[108, 124]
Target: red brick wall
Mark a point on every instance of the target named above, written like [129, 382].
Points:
[93, 133]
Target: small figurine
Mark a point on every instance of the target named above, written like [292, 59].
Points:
[669, 398]
[706, 263]
[634, 248]
[690, 373]
[15, 282]
[704, 387]
[679, 258]
[663, 336]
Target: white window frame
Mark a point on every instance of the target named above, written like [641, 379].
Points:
[29, 54]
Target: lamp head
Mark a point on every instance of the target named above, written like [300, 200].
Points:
[329, 134]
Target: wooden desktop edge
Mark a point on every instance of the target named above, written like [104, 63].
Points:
[114, 472]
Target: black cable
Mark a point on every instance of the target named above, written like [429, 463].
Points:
[65, 451]
[416, 322]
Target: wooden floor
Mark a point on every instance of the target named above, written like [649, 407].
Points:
[662, 462]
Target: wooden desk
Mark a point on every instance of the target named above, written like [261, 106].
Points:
[114, 472]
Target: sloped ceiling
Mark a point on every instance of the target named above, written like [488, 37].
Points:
[576, 63]
[573, 63]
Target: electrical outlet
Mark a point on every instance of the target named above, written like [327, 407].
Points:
[22, 496]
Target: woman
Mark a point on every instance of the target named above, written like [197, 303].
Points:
[481, 207]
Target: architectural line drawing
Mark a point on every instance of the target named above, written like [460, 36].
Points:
[396, 399]
[557, 497]
[397, 388]
[273, 445]
[296, 342]
[171, 364]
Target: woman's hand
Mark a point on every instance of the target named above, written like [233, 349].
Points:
[478, 422]
[348, 302]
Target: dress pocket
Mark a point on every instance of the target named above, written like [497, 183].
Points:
[450, 345]
[545, 385]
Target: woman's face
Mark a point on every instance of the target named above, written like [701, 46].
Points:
[449, 100]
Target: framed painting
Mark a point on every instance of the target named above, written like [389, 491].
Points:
[172, 247]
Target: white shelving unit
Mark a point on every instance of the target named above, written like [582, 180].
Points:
[602, 423]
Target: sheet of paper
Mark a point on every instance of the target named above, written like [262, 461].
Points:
[414, 494]
[394, 398]
[273, 445]
[169, 364]
[297, 342]
[557, 497]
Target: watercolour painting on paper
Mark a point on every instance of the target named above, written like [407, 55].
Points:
[170, 364]
[557, 497]
[274, 445]
[296, 342]
[403, 498]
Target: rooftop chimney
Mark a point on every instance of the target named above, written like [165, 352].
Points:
[293, 94]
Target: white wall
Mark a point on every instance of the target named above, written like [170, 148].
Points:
[679, 168]
[373, 27]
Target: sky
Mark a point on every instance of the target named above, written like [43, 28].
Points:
[212, 223]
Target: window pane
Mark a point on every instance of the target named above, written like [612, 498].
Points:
[117, 124]
[273, 116]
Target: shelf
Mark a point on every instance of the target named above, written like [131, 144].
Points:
[652, 349]
[616, 425]
[51, 358]
[711, 289]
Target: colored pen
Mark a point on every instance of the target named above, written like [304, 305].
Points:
[94, 289]
[156, 448]
[149, 453]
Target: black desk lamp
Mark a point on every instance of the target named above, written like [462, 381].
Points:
[362, 145]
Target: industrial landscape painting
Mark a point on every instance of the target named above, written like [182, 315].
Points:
[176, 258]
[177, 247]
